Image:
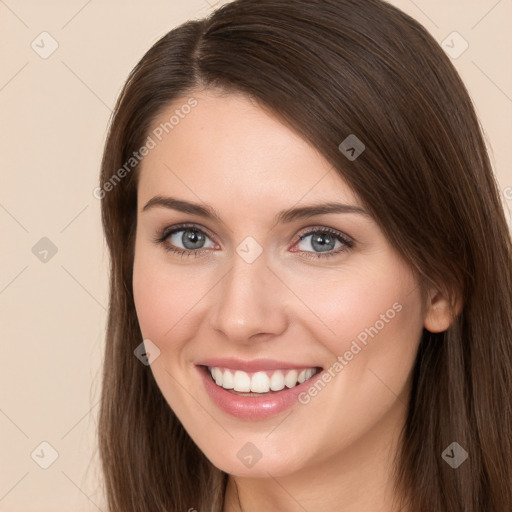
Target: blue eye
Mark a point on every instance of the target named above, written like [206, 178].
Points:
[193, 239]
[324, 241]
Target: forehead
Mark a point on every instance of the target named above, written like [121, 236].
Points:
[226, 145]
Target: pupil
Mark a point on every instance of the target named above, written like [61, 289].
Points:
[323, 242]
[193, 239]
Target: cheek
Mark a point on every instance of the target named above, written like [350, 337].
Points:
[154, 295]
[355, 304]
[165, 297]
[151, 299]
[379, 327]
[375, 324]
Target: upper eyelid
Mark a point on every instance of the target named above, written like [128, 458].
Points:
[307, 231]
[182, 227]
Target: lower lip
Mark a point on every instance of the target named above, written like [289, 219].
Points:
[249, 408]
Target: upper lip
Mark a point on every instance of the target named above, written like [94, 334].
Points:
[252, 365]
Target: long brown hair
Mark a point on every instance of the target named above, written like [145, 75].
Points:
[331, 68]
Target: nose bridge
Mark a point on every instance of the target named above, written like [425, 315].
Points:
[248, 300]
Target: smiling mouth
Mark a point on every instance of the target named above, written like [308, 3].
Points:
[260, 383]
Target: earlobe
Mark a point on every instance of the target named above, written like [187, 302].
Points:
[440, 313]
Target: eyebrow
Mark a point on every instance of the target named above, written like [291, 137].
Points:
[284, 216]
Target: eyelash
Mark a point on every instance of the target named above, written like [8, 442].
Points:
[162, 237]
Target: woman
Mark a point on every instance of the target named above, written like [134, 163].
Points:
[310, 302]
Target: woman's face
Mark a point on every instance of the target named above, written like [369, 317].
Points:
[265, 299]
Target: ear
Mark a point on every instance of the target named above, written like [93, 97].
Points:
[440, 313]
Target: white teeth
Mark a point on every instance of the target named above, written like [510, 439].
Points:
[277, 381]
[291, 378]
[241, 382]
[217, 375]
[228, 380]
[305, 375]
[259, 382]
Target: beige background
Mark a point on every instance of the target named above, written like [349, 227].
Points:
[55, 113]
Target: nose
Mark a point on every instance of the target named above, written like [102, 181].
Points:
[250, 304]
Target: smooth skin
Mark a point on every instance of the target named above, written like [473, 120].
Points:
[335, 452]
